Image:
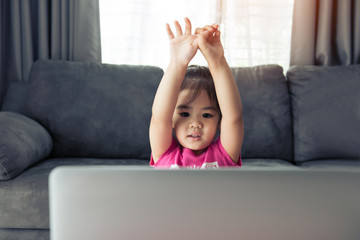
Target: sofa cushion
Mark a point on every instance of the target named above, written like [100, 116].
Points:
[266, 112]
[326, 112]
[23, 142]
[93, 109]
[349, 165]
[24, 201]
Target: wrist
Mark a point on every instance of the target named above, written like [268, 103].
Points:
[178, 69]
[178, 65]
[217, 63]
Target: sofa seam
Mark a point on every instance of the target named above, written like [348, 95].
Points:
[292, 122]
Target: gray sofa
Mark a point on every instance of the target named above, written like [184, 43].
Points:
[72, 113]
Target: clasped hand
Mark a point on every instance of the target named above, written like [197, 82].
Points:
[184, 46]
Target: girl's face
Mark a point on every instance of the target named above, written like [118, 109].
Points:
[195, 123]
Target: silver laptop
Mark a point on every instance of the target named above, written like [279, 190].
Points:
[140, 203]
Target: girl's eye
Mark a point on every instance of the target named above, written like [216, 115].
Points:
[207, 115]
[184, 114]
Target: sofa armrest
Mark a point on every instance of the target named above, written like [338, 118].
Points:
[23, 142]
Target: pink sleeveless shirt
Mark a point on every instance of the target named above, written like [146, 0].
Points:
[178, 157]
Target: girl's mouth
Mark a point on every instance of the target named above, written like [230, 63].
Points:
[194, 137]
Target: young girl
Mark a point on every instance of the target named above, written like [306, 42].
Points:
[193, 103]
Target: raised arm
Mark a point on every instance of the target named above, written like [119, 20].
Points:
[183, 48]
[232, 126]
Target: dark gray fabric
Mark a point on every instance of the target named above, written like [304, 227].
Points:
[24, 234]
[51, 29]
[23, 142]
[15, 98]
[333, 164]
[94, 110]
[325, 32]
[326, 112]
[24, 200]
[266, 112]
[75, 30]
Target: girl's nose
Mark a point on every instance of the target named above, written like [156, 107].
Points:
[195, 124]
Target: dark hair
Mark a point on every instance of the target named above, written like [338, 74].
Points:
[199, 78]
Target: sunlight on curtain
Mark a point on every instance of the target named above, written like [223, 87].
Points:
[257, 32]
[254, 32]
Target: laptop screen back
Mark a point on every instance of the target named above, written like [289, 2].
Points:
[140, 203]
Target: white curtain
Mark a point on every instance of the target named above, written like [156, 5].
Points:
[254, 32]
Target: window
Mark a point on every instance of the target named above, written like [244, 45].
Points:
[254, 32]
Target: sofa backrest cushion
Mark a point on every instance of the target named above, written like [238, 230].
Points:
[326, 112]
[266, 112]
[93, 109]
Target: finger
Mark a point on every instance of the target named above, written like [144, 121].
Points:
[187, 26]
[205, 34]
[201, 40]
[169, 32]
[196, 43]
[199, 30]
[178, 28]
[217, 34]
[210, 29]
[215, 26]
